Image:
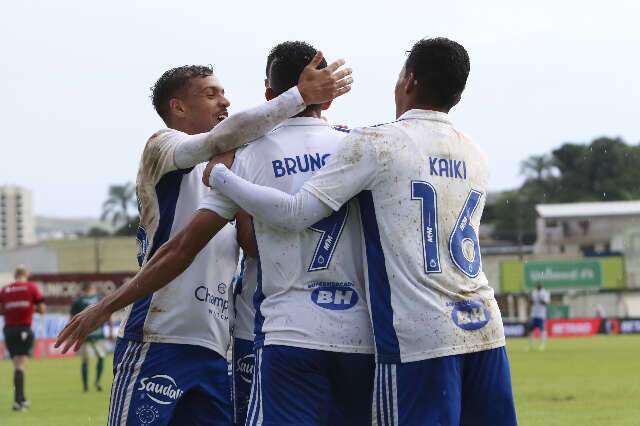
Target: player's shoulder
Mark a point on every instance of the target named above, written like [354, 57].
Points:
[373, 139]
[161, 139]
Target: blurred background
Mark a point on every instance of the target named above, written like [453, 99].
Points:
[552, 99]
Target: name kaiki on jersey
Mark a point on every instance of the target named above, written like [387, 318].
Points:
[445, 167]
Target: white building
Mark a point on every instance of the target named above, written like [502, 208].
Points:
[576, 229]
[17, 225]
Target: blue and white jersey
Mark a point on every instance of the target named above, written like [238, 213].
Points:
[310, 284]
[192, 309]
[422, 187]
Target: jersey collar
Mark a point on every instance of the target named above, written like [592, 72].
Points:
[424, 114]
[302, 121]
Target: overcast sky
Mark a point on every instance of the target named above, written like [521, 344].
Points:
[75, 76]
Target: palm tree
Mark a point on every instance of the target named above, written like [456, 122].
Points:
[538, 167]
[116, 206]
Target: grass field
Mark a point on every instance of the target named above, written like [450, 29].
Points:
[575, 382]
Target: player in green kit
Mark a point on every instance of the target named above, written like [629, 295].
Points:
[94, 342]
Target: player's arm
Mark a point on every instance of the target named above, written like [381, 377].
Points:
[314, 87]
[545, 299]
[349, 171]
[165, 265]
[38, 299]
[245, 235]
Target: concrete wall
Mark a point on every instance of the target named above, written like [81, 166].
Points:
[87, 255]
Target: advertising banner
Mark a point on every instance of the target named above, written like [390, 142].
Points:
[573, 327]
[563, 274]
[588, 273]
[61, 289]
[515, 329]
[629, 326]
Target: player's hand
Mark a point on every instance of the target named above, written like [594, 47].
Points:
[77, 330]
[225, 158]
[320, 86]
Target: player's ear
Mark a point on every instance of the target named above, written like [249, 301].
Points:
[325, 106]
[177, 107]
[410, 84]
[268, 93]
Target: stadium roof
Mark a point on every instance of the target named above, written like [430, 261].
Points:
[604, 208]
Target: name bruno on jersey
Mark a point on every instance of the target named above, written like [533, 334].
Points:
[292, 166]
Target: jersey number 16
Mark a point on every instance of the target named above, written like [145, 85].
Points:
[464, 247]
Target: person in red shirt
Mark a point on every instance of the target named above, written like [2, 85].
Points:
[18, 301]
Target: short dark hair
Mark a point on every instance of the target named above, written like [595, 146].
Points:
[286, 62]
[172, 82]
[21, 271]
[441, 67]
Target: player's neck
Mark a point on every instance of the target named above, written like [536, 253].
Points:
[426, 107]
[183, 126]
[313, 113]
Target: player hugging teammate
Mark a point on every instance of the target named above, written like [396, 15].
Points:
[354, 245]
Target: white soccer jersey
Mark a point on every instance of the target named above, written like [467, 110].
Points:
[243, 292]
[193, 308]
[539, 301]
[424, 187]
[310, 290]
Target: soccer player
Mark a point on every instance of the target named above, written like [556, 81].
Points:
[94, 343]
[18, 301]
[170, 363]
[422, 185]
[313, 340]
[539, 301]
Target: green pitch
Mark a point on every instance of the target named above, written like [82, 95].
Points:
[576, 382]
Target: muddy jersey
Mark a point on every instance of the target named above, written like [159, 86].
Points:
[192, 309]
[422, 186]
[310, 284]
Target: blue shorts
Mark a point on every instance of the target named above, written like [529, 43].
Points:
[536, 323]
[307, 387]
[242, 371]
[168, 384]
[467, 390]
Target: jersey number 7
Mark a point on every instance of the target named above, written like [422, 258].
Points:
[330, 229]
[464, 247]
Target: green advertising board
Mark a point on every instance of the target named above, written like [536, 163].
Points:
[593, 272]
[563, 274]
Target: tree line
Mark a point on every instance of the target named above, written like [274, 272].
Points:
[606, 169]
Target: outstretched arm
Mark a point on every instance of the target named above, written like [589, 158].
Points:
[270, 205]
[165, 265]
[349, 171]
[314, 87]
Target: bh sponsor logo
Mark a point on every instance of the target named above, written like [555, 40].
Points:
[470, 315]
[244, 367]
[219, 305]
[161, 389]
[334, 296]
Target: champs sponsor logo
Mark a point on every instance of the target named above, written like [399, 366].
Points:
[470, 315]
[219, 305]
[161, 389]
[334, 296]
[244, 367]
